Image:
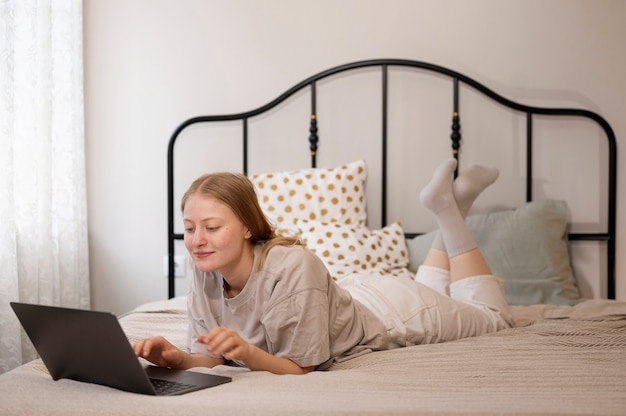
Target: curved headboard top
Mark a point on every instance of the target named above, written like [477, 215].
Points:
[528, 113]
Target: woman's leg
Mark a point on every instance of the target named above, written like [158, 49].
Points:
[459, 252]
[470, 183]
[414, 313]
[435, 271]
[472, 281]
[421, 312]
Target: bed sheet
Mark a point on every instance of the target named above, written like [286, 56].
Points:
[557, 360]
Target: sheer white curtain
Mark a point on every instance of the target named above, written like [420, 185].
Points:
[43, 204]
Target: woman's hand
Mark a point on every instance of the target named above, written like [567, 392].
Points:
[225, 342]
[160, 351]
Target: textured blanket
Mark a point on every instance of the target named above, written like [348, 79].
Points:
[557, 360]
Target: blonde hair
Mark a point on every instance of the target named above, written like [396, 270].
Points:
[237, 192]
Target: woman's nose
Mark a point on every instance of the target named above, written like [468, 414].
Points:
[199, 237]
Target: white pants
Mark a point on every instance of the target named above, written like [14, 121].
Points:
[420, 311]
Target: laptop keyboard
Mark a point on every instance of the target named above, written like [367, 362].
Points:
[165, 387]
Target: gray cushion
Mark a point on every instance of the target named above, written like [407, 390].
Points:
[526, 247]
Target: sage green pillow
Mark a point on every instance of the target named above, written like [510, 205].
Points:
[526, 247]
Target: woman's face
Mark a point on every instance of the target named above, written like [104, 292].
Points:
[214, 236]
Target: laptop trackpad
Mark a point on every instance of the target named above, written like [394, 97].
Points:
[199, 380]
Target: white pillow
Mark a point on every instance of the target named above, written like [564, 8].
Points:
[316, 194]
[347, 249]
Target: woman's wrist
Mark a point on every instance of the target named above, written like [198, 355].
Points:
[184, 363]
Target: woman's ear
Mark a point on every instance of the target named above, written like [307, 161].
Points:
[247, 235]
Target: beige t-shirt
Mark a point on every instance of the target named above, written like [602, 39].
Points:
[291, 309]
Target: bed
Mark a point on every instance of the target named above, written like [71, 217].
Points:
[565, 354]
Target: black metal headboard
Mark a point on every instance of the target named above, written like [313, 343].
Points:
[455, 136]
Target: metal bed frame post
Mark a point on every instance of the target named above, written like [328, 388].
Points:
[385, 94]
[313, 137]
[245, 145]
[455, 136]
[529, 156]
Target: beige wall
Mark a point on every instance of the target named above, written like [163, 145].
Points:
[150, 64]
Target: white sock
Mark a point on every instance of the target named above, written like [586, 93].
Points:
[468, 185]
[439, 198]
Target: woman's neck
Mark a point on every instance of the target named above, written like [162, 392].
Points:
[230, 292]
[235, 280]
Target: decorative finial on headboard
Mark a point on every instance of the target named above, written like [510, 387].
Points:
[456, 133]
[313, 139]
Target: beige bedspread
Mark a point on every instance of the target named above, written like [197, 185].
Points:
[558, 360]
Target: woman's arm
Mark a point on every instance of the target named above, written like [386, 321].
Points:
[227, 343]
[261, 360]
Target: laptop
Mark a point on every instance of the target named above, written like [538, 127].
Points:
[91, 346]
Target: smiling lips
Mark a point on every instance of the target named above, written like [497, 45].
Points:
[202, 254]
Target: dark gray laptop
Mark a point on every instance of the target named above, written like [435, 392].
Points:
[91, 346]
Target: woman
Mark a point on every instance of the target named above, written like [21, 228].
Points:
[266, 302]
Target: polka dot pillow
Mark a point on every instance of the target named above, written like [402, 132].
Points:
[347, 249]
[316, 194]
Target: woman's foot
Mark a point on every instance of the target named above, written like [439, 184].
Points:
[438, 194]
[470, 183]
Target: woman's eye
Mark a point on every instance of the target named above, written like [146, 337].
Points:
[211, 229]
[189, 230]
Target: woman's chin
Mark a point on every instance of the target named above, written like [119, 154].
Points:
[204, 266]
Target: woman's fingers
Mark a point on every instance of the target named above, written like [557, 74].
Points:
[223, 342]
[157, 350]
[139, 347]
